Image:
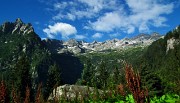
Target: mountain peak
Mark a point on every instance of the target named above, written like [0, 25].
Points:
[177, 27]
[19, 21]
[155, 34]
[17, 27]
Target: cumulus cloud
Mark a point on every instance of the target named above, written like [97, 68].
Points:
[63, 29]
[110, 16]
[95, 5]
[97, 36]
[88, 9]
[112, 21]
[107, 22]
[143, 14]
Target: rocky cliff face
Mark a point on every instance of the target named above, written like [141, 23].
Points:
[171, 43]
[18, 27]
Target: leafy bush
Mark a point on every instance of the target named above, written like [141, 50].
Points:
[167, 98]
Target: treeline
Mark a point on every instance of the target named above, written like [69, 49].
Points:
[105, 78]
[131, 87]
[126, 85]
[19, 83]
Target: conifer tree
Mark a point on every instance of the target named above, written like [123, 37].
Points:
[151, 82]
[87, 73]
[53, 79]
[117, 76]
[103, 75]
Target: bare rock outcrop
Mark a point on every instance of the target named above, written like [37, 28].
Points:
[71, 92]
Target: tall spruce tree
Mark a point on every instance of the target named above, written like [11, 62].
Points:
[103, 75]
[53, 79]
[117, 76]
[151, 82]
[87, 73]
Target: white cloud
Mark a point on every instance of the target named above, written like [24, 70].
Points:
[80, 37]
[112, 21]
[61, 5]
[142, 15]
[68, 16]
[130, 29]
[58, 16]
[71, 16]
[111, 16]
[95, 5]
[97, 36]
[107, 23]
[159, 21]
[63, 29]
[114, 35]
[88, 9]
[144, 28]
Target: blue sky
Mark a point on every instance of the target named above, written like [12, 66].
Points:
[91, 20]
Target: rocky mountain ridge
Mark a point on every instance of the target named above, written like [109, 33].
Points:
[18, 38]
[18, 27]
[76, 47]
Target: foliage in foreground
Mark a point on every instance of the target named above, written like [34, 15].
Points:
[136, 94]
[167, 98]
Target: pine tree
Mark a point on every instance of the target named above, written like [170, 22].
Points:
[114, 78]
[87, 73]
[103, 75]
[117, 76]
[151, 82]
[53, 79]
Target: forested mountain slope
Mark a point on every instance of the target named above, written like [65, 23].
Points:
[163, 58]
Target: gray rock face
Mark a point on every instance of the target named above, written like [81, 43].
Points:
[170, 43]
[17, 27]
[77, 47]
[72, 43]
[71, 92]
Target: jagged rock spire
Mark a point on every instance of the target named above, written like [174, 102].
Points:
[18, 20]
[17, 27]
